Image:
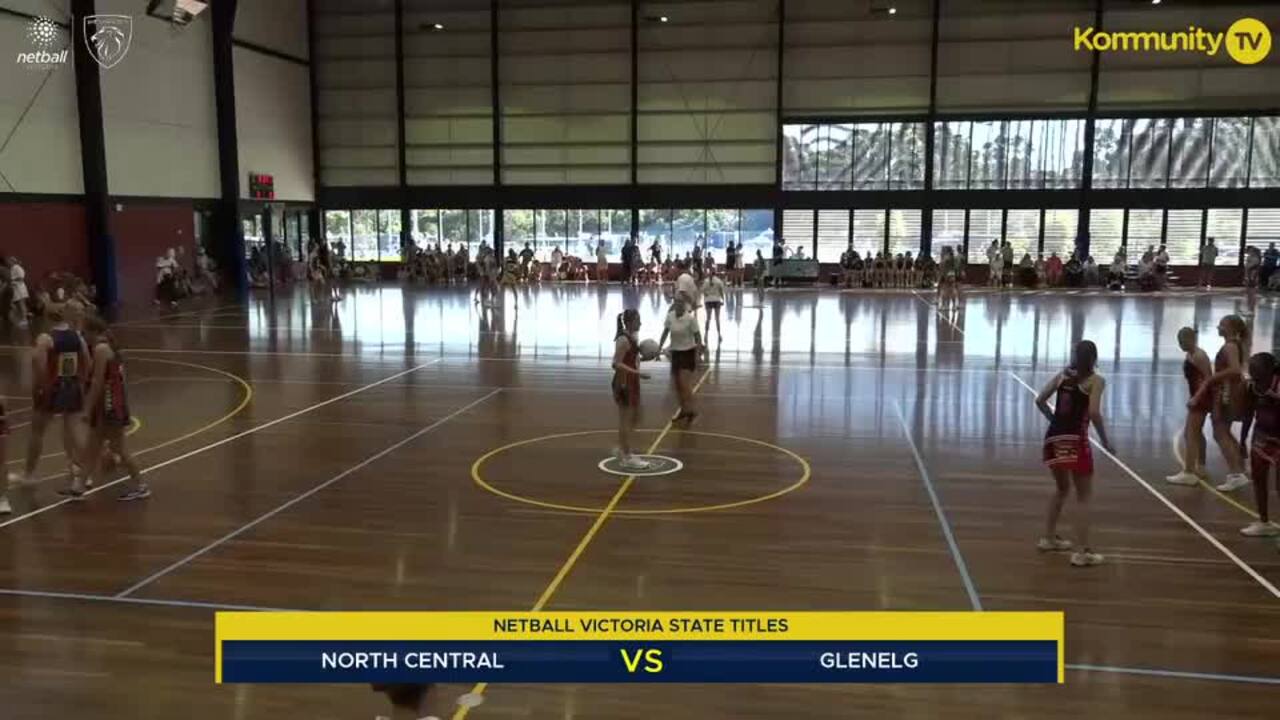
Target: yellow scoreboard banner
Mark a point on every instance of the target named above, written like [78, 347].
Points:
[601, 646]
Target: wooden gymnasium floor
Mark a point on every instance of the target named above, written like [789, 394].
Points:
[856, 452]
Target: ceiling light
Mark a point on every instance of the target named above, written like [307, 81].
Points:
[1155, 2]
[893, 11]
[437, 26]
[664, 18]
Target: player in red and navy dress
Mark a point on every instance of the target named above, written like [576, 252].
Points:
[1078, 391]
[1262, 416]
[59, 365]
[626, 385]
[1197, 369]
[107, 410]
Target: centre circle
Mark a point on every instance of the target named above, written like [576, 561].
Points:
[478, 477]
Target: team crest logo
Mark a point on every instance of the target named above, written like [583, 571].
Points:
[107, 38]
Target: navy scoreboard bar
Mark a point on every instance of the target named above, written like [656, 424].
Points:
[660, 647]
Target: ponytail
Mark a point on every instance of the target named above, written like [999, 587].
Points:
[1084, 359]
[623, 317]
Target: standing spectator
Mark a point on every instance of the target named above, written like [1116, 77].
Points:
[1270, 259]
[17, 292]
[1208, 258]
[166, 271]
[1006, 254]
[993, 264]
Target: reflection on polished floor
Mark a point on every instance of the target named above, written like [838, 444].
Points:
[856, 451]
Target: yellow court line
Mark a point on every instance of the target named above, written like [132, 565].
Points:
[806, 472]
[1177, 454]
[244, 402]
[479, 689]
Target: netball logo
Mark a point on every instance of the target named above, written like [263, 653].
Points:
[107, 38]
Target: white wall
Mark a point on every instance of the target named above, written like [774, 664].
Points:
[277, 24]
[43, 153]
[273, 123]
[273, 98]
[158, 108]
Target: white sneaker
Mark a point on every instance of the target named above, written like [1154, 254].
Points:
[1235, 481]
[634, 463]
[1086, 558]
[1053, 544]
[1183, 478]
[1260, 529]
[5, 507]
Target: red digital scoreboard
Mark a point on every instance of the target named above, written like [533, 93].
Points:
[262, 186]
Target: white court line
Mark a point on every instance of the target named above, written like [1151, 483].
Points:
[1179, 674]
[1275, 592]
[134, 601]
[222, 442]
[290, 503]
[969, 588]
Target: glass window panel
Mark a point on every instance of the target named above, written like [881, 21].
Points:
[518, 229]
[1022, 230]
[1060, 230]
[1264, 165]
[1022, 145]
[1230, 153]
[453, 229]
[988, 156]
[337, 229]
[871, 156]
[797, 230]
[722, 228]
[1106, 230]
[389, 235]
[948, 230]
[906, 161]
[904, 232]
[364, 235]
[833, 234]
[868, 231]
[1150, 150]
[984, 226]
[553, 229]
[1061, 153]
[479, 229]
[655, 226]
[615, 230]
[951, 155]
[1226, 227]
[1144, 230]
[1190, 168]
[757, 234]
[425, 228]
[799, 157]
[1264, 226]
[1111, 152]
[687, 228]
[1182, 237]
[835, 157]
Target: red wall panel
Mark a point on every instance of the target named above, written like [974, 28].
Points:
[142, 232]
[45, 236]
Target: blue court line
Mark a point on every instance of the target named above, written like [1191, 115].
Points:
[969, 588]
[1179, 674]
